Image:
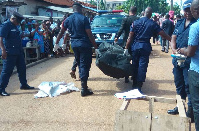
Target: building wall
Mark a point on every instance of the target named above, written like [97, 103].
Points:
[47, 12]
[31, 7]
[113, 5]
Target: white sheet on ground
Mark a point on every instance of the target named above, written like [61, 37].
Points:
[53, 89]
[132, 94]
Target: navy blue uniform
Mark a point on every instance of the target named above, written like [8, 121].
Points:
[15, 55]
[143, 29]
[181, 72]
[80, 43]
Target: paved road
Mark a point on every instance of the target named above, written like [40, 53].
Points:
[21, 112]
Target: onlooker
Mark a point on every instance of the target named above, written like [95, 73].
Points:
[55, 33]
[52, 24]
[81, 42]
[12, 53]
[125, 27]
[180, 40]
[47, 38]
[193, 52]
[178, 17]
[142, 14]
[168, 28]
[37, 34]
[3, 17]
[141, 32]
[24, 33]
[155, 36]
[161, 19]
[29, 29]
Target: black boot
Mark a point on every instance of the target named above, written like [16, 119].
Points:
[190, 114]
[173, 111]
[84, 89]
[126, 80]
[139, 86]
[134, 86]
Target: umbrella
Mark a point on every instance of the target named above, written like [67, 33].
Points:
[112, 62]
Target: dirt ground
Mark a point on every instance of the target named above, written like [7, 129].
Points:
[71, 112]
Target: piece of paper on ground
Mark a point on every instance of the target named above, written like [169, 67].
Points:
[132, 94]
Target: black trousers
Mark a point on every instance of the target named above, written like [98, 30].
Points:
[194, 92]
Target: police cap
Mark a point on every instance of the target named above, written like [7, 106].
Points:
[187, 4]
[77, 4]
[18, 16]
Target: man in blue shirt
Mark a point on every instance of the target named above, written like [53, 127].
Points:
[193, 51]
[180, 40]
[81, 42]
[12, 53]
[141, 32]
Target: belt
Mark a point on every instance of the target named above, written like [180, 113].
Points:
[143, 41]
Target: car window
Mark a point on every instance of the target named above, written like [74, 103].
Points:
[107, 21]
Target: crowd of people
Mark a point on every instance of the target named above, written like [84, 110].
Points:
[43, 33]
[181, 36]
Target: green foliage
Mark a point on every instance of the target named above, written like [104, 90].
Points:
[102, 5]
[92, 2]
[158, 6]
[177, 9]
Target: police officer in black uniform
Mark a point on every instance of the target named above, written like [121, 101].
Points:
[126, 23]
[139, 39]
[125, 27]
[81, 42]
[12, 53]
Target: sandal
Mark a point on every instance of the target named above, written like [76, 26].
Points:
[79, 79]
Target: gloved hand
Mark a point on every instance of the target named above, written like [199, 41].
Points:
[98, 53]
[56, 46]
[126, 52]
[64, 46]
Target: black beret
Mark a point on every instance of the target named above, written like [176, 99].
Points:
[77, 4]
[18, 16]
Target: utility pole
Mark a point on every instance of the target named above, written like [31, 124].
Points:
[181, 5]
[97, 5]
[171, 7]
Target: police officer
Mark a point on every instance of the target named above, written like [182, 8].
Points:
[12, 53]
[125, 27]
[180, 40]
[81, 42]
[141, 32]
[126, 23]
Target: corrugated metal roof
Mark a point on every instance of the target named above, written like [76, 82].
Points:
[68, 2]
[69, 10]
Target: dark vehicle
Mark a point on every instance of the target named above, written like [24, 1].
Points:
[105, 26]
